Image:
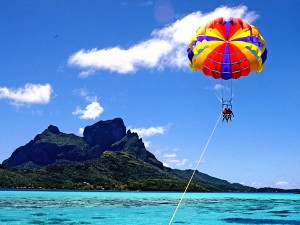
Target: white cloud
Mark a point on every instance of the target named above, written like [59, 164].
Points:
[86, 73]
[169, 155]
[165, 48]
[80, 131]
[282, 183]
[29, 94]
[91, 111]
[181, 162]
[146, 54]
[171, 159]
[170, 162]
[256, 184]
[146, 143]
[151, 131]
[83, 92]
[91, 98]
[218, 87]
[37, 112]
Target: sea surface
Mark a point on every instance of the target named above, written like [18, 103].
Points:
[146, 208]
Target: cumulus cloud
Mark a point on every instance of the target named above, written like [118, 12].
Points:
[91, 111]
[80, 131]
[171, 160]
[29, 94]
[146, 54]
[166, 47]
[151, 131]
[282, 183]
[219, 87]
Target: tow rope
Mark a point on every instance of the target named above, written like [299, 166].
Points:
[196, 168]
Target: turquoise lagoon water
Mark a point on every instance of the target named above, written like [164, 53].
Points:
[141, 208]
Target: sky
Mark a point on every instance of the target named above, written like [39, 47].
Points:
[72, 63]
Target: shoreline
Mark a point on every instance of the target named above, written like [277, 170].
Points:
[293, 191]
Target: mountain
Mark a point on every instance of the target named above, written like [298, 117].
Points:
[53, 146]
[106, 157]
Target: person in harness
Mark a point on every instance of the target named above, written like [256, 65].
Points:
[227, 111]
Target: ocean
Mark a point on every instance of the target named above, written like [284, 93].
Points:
[147, 208]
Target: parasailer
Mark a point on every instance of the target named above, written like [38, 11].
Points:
[227, 114]
[227, 49]
[227, 110]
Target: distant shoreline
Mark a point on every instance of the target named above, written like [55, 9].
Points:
[134, 191]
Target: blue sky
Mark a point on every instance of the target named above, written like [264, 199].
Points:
[73, 63]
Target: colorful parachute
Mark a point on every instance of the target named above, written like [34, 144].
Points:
[227, 49]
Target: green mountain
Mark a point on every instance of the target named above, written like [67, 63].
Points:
[105, 158]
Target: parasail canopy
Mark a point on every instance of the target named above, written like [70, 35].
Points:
[227, 49]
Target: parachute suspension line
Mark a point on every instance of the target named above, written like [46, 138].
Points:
[231, 90]
[223, 87]
[196, 168]
[231, 94]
